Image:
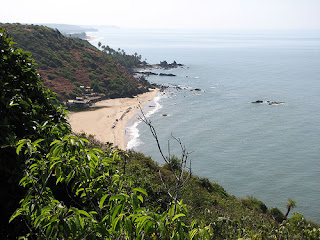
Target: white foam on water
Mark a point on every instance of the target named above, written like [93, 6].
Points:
[157, 106]
[132, 131]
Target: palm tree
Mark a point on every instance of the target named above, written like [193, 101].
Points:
[291, 204]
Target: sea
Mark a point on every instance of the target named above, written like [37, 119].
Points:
[268, 151]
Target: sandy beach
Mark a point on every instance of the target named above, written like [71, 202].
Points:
[108, 123]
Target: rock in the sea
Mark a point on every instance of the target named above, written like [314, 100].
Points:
[275, 103]
[167, 74]
[258, 101]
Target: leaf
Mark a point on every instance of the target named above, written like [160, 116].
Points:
[81, 222]
[56, 151]
[55, 164]
[75, 210]
[84, 140]
[38, 141]
[148, 227]
[97, 150]
[135, 202]
[140, 190]
[128, 226]
[84, 213]
[117, 209]
[120, 197]
[105, 217]
[141, 223]
[102, 200]
[39, 219]
[35, 165]
[140, 198]
[15, 214]
[193, 223]
[48, 232]
[115, 222]
[192, 233]
[21, 143]
[70, 175]
[177, 216]
[58, 174]
[54, 142]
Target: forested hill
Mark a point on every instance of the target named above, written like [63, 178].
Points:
[65, 64]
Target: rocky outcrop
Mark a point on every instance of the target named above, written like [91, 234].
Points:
[167, 74]
[269, 102]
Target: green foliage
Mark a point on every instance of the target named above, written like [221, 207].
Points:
[102, 204]
[277, 215]
[95, 85]
[175, 163]
[255, 204]
[128, 61]
[26, 111]
[212, 187]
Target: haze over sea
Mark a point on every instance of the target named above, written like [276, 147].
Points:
[271, 152]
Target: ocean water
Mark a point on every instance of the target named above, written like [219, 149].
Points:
[271, 152]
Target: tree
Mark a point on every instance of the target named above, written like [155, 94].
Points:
[26, 111]
[291, 204]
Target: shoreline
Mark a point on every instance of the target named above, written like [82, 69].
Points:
[108, 124]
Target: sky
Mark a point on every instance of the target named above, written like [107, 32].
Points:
[186, 14]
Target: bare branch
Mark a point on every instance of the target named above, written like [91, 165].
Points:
[154, 133]
[165, 186]
[181, 176]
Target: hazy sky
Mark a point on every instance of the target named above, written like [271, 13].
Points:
[216, 14]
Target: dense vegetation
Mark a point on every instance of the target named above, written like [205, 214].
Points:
[26, 111]
[128, 61]
[65, 64]
[73, 187]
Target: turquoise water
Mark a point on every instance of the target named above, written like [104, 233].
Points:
[271, 152]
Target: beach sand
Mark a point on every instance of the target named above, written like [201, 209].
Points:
[108, 123]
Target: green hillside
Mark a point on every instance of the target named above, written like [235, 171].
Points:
[65, 64]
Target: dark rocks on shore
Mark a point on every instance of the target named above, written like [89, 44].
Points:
[162, 87]
[147, 73]
[153, 73]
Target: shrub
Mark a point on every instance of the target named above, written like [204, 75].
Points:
[255, 204]
[277, 215]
